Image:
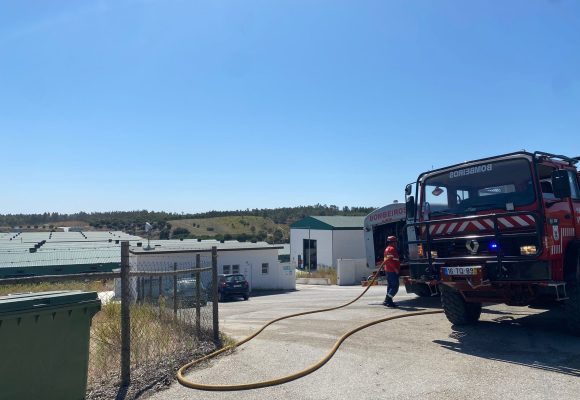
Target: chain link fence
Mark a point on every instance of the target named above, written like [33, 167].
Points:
[166, 316]
[155, 316]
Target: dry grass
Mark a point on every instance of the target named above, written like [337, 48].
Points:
[321, 272]
[231, 225]
[89, 286]
[159, 343]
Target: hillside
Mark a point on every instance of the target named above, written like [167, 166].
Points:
[230, 227]
[269, 224]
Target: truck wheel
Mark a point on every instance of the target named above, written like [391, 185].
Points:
[572, 304]
[457, 310]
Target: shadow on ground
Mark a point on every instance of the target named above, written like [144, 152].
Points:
[260, 292]
[535, 340]
[414, 304]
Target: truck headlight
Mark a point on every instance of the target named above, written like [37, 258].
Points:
[433, 253]
[528, 250]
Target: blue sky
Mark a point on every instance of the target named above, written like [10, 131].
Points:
[188, 106]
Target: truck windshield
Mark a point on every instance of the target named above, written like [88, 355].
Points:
[498, 184]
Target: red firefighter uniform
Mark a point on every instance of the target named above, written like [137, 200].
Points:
[392, 262]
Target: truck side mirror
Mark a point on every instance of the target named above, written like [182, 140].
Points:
[408, 189]
[410, 207]
[561, 184]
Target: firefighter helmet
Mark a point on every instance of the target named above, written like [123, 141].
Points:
[391, 239]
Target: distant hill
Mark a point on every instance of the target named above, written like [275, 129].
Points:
[246, 227]
[273, 222]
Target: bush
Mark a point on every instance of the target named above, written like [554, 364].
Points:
[180, 233]
[321, 272]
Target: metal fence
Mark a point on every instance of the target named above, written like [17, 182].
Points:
[161, 315]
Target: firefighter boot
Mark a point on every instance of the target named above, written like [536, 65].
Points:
[389, 302]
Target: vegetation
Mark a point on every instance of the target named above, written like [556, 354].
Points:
[89, 286]
[246, 228]
[320, 272]
[245, 225]
[159, 343]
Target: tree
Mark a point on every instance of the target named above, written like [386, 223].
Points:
[180, 233]
[278, 236]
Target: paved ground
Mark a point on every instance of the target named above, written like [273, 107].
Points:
[513, 353]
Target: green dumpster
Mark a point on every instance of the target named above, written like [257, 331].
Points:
[44, 344]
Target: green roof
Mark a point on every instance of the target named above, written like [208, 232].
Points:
[46, 253]
[330, 223]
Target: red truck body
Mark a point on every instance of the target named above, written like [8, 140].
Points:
[503, 229]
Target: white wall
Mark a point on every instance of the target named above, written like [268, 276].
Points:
[347, 244]
[323, 245]
[250, 262]
[352, 272]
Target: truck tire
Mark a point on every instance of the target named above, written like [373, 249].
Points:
[572, 304]
[457, 310]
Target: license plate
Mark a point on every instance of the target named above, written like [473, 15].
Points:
[461, 270]
[237, 285]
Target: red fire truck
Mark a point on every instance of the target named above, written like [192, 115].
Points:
[503, 229]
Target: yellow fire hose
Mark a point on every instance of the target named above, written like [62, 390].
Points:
[193, 385]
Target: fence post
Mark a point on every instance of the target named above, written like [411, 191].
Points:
[160, 282]
[214, 259]
[142, 289]
[151, 289]
[175, 290]
[125, 315]
[198, 296]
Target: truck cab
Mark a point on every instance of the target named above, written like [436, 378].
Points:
[503, 229]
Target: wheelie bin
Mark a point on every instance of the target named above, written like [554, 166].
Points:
[44, 344]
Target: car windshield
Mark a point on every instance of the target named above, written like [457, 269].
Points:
[235, 278]
[497, 184]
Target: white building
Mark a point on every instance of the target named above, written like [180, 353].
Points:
[321, 241]
[257, 261]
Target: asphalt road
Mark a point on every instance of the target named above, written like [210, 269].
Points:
[512, 353]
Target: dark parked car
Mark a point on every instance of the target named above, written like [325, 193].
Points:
[233, 285]
[187, 292]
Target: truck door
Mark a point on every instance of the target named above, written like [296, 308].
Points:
[575, 201]
[560, 217]
[559, 222]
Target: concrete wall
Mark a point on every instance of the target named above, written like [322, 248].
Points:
[323, 245]
[347, 244]
[352, 272]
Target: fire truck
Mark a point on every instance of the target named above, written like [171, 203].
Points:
[503, 229]
[388, 221]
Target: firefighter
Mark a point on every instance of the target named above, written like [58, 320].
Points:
[392, 266]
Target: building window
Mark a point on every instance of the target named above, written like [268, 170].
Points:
[226, 269]
[235, 269]
[265, 268]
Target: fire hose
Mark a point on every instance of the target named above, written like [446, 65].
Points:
[255, 385]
